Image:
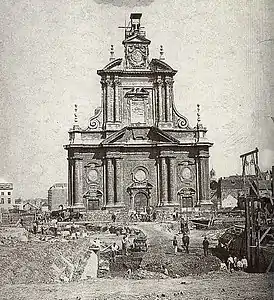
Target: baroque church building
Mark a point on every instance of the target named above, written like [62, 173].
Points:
[138, 150]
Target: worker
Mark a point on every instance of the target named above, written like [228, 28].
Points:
[245, 264]
[175, 244]
[35, 226]
[174, 215]
[239, 265]
[182, 225]
[235, 260]
[185, 240]
[113, 217]
[230, 263]
[223, 266]
[124, 245]
[114, 250]
[73, 231]
[205, 246]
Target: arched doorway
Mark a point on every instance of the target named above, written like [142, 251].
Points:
[140, 201]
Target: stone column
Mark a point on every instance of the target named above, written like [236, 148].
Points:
[78, 182]
[163, 181]
[172, 181]
[118, 181]
[110, 182]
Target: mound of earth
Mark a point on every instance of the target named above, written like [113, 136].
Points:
[39, 262]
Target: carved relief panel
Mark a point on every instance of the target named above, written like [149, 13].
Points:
[138, 102]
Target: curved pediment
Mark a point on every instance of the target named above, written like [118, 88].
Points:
[113, 64]
[159, 65]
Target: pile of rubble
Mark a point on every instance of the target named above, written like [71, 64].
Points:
[39, 262]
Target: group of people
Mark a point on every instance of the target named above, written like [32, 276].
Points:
[126, 243]
[147, 214]
[236, 264]
[185, 244]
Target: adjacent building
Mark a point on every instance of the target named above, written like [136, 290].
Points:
[57, 195]
[137, 149]
[6, 197]
[230, 190]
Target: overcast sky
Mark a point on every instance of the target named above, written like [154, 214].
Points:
[50, 51]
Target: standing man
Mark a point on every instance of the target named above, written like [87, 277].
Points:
[185, 241]
[114, 250]
[113, 217]
[205, 246]
[182, 225]
[175, 244]
[244, 263]
[55, 226]
[230, 263]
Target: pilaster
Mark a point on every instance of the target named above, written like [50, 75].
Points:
[110, 181]
[160, 99]
[172, 181]
[109, 100]
[119, 201]
[163, 181]
[169, 99]
[78, 181]
[70, 181]
[117, 104]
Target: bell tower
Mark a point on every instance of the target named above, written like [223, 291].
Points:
[136, 44]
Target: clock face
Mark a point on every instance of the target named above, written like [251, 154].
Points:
[136, 58]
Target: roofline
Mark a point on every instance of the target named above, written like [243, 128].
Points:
[181, 144]
[135, 71]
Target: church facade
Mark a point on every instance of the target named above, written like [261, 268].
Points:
[137, 150]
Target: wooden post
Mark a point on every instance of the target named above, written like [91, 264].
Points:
[247, 229]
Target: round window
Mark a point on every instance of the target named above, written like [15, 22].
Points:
[140, 175]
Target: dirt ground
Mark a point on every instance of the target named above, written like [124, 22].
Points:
[224, 286]
[199, 275]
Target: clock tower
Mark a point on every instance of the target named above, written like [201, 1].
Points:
[136, 44]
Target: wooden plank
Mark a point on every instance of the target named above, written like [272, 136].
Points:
[264, 235]
[270, 265]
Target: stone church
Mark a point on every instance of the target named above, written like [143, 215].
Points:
[138, 150]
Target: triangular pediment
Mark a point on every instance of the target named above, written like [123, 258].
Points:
[140, 135]
[159, 65]
[137, 39]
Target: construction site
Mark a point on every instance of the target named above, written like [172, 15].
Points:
[106, 255]
[141, 215]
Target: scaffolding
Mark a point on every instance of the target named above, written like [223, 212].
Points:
[258, 216]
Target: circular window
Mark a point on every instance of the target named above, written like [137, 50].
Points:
[186, 173]
[140, 175]
[92, 175]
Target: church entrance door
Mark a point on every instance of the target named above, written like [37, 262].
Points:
[140, 201]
